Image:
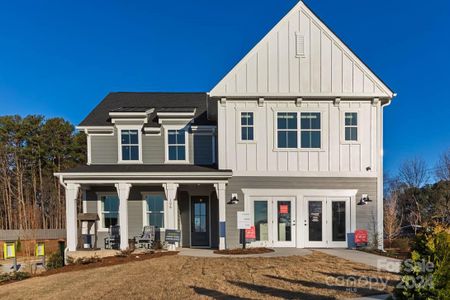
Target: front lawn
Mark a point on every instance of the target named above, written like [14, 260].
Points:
[315, 276]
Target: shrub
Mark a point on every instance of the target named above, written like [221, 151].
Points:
[402, 244]
[55, 260]
[14, 276]
[87, 260]
[158, 245]
[124, 253]
[18, 245]
[427, 274]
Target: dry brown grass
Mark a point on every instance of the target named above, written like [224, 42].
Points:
[181, 277]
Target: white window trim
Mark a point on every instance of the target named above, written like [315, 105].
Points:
[119, 143]
[239, 127]
[358, 127]
[145, 211]
[100, 227]
[299, 130]
[166, 143]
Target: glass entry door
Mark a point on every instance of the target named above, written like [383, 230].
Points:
[199, 221]
[315, 223]
[274, 221]
[284, 221]
[327, 222]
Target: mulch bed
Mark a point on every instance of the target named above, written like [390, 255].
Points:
[392, 253]
[108, 261]
[241, 251]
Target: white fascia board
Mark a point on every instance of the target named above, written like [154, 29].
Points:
[159, 176]
[94, 127]
[305, 96]
[176, 114]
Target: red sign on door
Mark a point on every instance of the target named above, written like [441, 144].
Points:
[283, 209]
[361, 236]
[250, 233]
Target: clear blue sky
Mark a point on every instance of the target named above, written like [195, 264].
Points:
[59, 58]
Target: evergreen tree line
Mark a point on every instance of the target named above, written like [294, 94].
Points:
[31, 150]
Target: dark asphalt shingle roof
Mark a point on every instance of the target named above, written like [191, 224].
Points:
[122, 168]
[99, 116]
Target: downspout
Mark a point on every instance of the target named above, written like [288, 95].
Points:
[380, 208]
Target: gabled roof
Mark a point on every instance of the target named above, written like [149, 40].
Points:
[301, 57]
[141, 102]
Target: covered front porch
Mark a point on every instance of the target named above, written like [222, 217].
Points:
[192, 203]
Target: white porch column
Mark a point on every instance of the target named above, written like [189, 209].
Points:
[123, 191]
[220, 190]
[171, 208]
[72, 190]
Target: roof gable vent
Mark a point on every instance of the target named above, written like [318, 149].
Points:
[299, 45]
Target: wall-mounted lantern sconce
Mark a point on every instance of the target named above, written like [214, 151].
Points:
[364, 199]
[234, 199]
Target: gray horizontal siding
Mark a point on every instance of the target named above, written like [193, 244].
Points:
[153, 151]
[104, 149]
[364, 214]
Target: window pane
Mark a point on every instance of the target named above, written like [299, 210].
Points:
[125, 137]
[282, 139]
[155, 203]
[292, 139]
[260, 218]
[338, 221]
[244, 135]
[181, 153]
[134, 152]
[351, 119]
[348, 134]
[156, 219]
[180, 137]
[172, 137]
[110, 203]
[292, 120]
[315, 139]
[305, 122]
[354, 131]
[172, 153]
[250, 118]
[110, 219]
[281, 121]
[134, 137]
[351, 134]
[250, 133]
[125, 152]
[315, 120]
[306, 139]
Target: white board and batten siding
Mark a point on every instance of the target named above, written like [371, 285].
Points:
[261, 157]
[301, 56]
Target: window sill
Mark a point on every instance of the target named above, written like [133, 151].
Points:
[179, 162]
[298, 150]
[130, 162]
[247, 142]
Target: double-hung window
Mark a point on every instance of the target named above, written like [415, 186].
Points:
[287, 130]
[298, 130]
[130, 144]
[351, 126]
[109, 211]
[176, 143]
[154, 210]
[247, 126]
[310, 129]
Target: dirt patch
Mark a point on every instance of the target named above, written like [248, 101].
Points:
[240, 251]
[108, 261]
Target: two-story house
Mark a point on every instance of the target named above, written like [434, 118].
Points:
[292, 135]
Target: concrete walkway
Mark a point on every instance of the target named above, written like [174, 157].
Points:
[279, 252]
[380, 262]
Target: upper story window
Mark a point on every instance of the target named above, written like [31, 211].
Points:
[247, 126]
[293, 127]
[176, 143]
[130, 144]
[154, 210]
[351, 126]
[310, 130]
[287, 132]
[109, 211]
